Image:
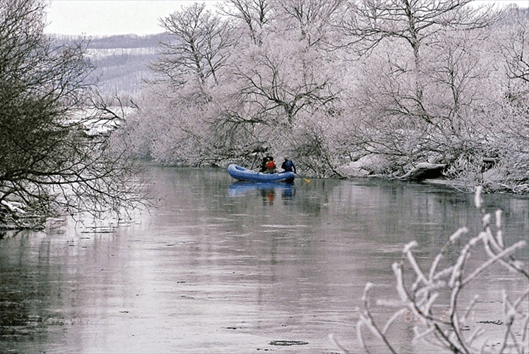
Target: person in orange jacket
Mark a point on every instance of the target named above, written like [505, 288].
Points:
[270, 165]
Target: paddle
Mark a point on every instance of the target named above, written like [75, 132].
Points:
[304, 178]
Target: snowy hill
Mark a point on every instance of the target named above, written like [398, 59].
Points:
[120, 61]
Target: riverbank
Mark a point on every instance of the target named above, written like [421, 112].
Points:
[493, 179]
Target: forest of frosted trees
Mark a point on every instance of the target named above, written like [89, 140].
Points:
[382, 85]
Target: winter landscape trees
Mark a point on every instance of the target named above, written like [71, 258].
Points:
[47, 163]
[428, 72]
[344, 87]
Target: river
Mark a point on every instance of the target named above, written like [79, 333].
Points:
[224, 267]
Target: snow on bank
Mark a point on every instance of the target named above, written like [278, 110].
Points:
[14, 207]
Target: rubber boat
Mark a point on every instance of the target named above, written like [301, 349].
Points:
[243, 174]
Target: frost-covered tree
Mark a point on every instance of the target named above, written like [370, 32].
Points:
[191, 67]
[286, 77]
[312, 19]
[418, 92]
[197, 47]
[416, 22]
[252, 90]
[251, 17]
[508, 130]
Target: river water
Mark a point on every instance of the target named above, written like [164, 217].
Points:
[224, 267]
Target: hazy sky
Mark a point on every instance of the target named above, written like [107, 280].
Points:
[110, 17]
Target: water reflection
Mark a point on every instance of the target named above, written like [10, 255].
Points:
[220, 267]
[268, 190]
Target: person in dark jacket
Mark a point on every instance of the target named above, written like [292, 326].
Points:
[264, 167]
[288, 165]
[263, 164]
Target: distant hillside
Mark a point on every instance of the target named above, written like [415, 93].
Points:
[120, 61]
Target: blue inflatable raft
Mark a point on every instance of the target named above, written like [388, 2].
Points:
[243, 174]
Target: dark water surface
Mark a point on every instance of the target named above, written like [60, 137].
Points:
[224, 267]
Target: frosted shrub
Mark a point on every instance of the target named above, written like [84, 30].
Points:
[433, 299]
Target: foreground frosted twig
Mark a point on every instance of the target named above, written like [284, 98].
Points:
[422, 296]
[337, 344]
[367, 320]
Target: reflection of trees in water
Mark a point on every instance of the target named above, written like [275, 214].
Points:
[390, 209]
[24, 290]
[9, 233]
